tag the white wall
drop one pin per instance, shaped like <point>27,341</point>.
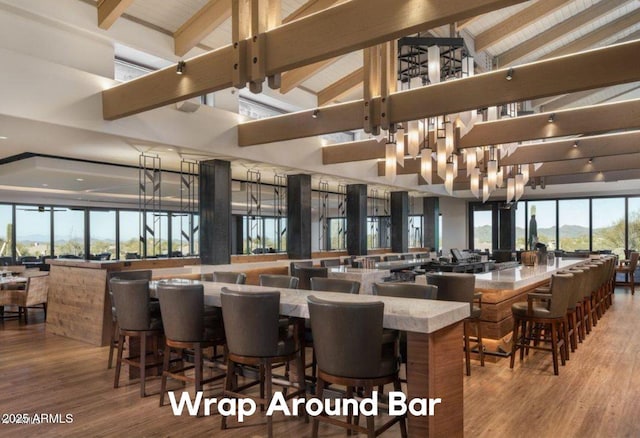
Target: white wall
<point>454,224</point>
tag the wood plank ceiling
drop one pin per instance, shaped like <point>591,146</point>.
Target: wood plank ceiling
<point>509,37</point>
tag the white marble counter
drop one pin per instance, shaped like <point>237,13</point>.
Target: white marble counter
<point>421,316</point>
<point>366,277</point>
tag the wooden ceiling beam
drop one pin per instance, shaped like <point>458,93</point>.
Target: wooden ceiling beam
<point>585,17</point>
<point>516,22</point>
<point>598,35</point>
<point>308,8</point>
<point>296,44</point>
<point>571,100</point>
<point>586,120</point>
<point>362,150</point>
<point>110,10</point>
<point>582,165</point>
<point>201,24</point>
<point>610,176</point>
<point>597,68</point>
<point>341,87</point>
<point>583,147</point>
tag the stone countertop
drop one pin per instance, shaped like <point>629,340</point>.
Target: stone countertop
<point>516,278</point>
<point>414,315</point>
<point>366,277</point>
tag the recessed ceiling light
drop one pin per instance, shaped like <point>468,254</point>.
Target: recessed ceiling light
<point>2,137</point>
<point>79,179</point>
<point>45,185</point>
<point>170,150</point>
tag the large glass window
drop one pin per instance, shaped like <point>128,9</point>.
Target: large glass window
<point>634,223</point>
<point>129,235</point>
<point>573,224</point>
<point>521,225</point>
<point>102,229</point>
<point>542,224</point>
<point>33,231</point>
<point>196,234</point>
<point>482,226</point>
<point>337,233</point>
<point>607,215</point>
<point>158,241</point>
<point>68,232</point>
<point>6,230</point>
<point>180,235</point>
<point>415,231</point>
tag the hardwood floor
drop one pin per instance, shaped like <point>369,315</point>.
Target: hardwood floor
<point>595,395</point>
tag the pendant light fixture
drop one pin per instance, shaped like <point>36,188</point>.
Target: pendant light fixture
<point>426,164</point>
<point>400,145</point>
<point>475,182</point>
<point>390,161</point>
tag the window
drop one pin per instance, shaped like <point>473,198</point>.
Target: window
<point>607,215</point>
<point>415,231</point>
<point>158,240</point>
<point>6,230</point>
<point>33,231</point>
<point>573,224</point>
<point>180,235</point>
<point>129,237</point>
<point>337,233</point>
<point>68,232</point>
<point>196,234</point>
<point>542,224</point>
<point>482,229</point>
<point>634,223</point>
<point>521,225</point>
<point>102,230</point>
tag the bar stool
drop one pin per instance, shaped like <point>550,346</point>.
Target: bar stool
<point>359,360</point>
<point>461,287</point>
<point>258,341</point>
<point>123,275</point>
<point>187,329</point>
<point>552,314</point>
<point>138,317</point>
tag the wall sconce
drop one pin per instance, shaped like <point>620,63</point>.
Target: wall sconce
<point>509,74</point>
<point>315,113</point>
<point>575,144</point>
<point>551,118</point>
<point>180,68</point>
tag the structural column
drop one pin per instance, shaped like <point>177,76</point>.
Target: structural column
<point>507,228</point>
<point>215,212</point>
<point>431,223</point>
<point>299,216</point>
<point>357,219</point>
<point>399,221</point>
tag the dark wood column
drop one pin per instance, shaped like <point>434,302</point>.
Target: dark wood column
<point>399,221</point>
<point>299,216</point>
<point>507,227</point>
<point>431,223</point>
<point>215,211</point>
<point>357,219</point>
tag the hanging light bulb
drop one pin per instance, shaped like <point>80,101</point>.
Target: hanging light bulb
<point>500,177</point>
<point>426,165</point>
<point>511,189</point>
<point>390,161</point>
<point>433,63</point>
<point>485,189</point>
<point>441,158</point>
<point>400,146</point>
<point>475,182</point>
<point>448,180</point>
<point>472,160</point>
<point>519,186</point>
<point>414,138</point>
<point>492,174</point>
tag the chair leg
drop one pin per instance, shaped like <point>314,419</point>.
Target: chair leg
<point>514,341</point>
<point>403,423</point>
<point>467,353</point>
<point>633,283</point>
<point>565,336</point>
<point>143,364</point>
<point>315,422</point>
<point>371,427</point>
<point>228,386</point>
<point>268,394</point>
<point>118,360</point>
<point>44,308</point>
<point>480,344</point>
<point>165,367</point>
<point>554,347</point>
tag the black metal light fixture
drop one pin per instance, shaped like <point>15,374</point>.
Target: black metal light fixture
<point>180,68</point>
<point>552,118</point>
<point>509,74</point>
<point>316,113</point>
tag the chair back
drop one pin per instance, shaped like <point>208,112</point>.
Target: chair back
<point>335,285</point>
<point>182,309</point>
<point>561,292</point>
<point>633,261</point>
<point>131,300</point>
<point>454,287</point>
<point>251,322</point>
<point>579,283</point>
<point>306,273</point>
<point>406,290</point>
<point>278,281</point>
<point>124,275</point>
<point>391,258</point>
<point>327,263</point>
<point>293,267</point>
<point>37,290</point>
<point>229,277</point>
<point>359,353</point>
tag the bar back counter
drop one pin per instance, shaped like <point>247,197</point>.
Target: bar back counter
<point>78,304</point>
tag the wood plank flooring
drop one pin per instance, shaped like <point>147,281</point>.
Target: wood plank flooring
<point>596,395</point>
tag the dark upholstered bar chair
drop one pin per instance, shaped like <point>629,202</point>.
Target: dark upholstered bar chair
<point>406,290</point>
<point>359,360</point>
<point>305,273</point>
<point>229,277</point>
<point>328,263</point>
<point>293,266</point>
<point>335,285</point>
<point>391,258</point>
<point>628,268</point>
<point>257,341</point>
<point>278,281</point>
<point>461,288</point>
<point>187,328</point>
<point>123,275</point>
<point>137,317</point>
<point>550,311</point>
